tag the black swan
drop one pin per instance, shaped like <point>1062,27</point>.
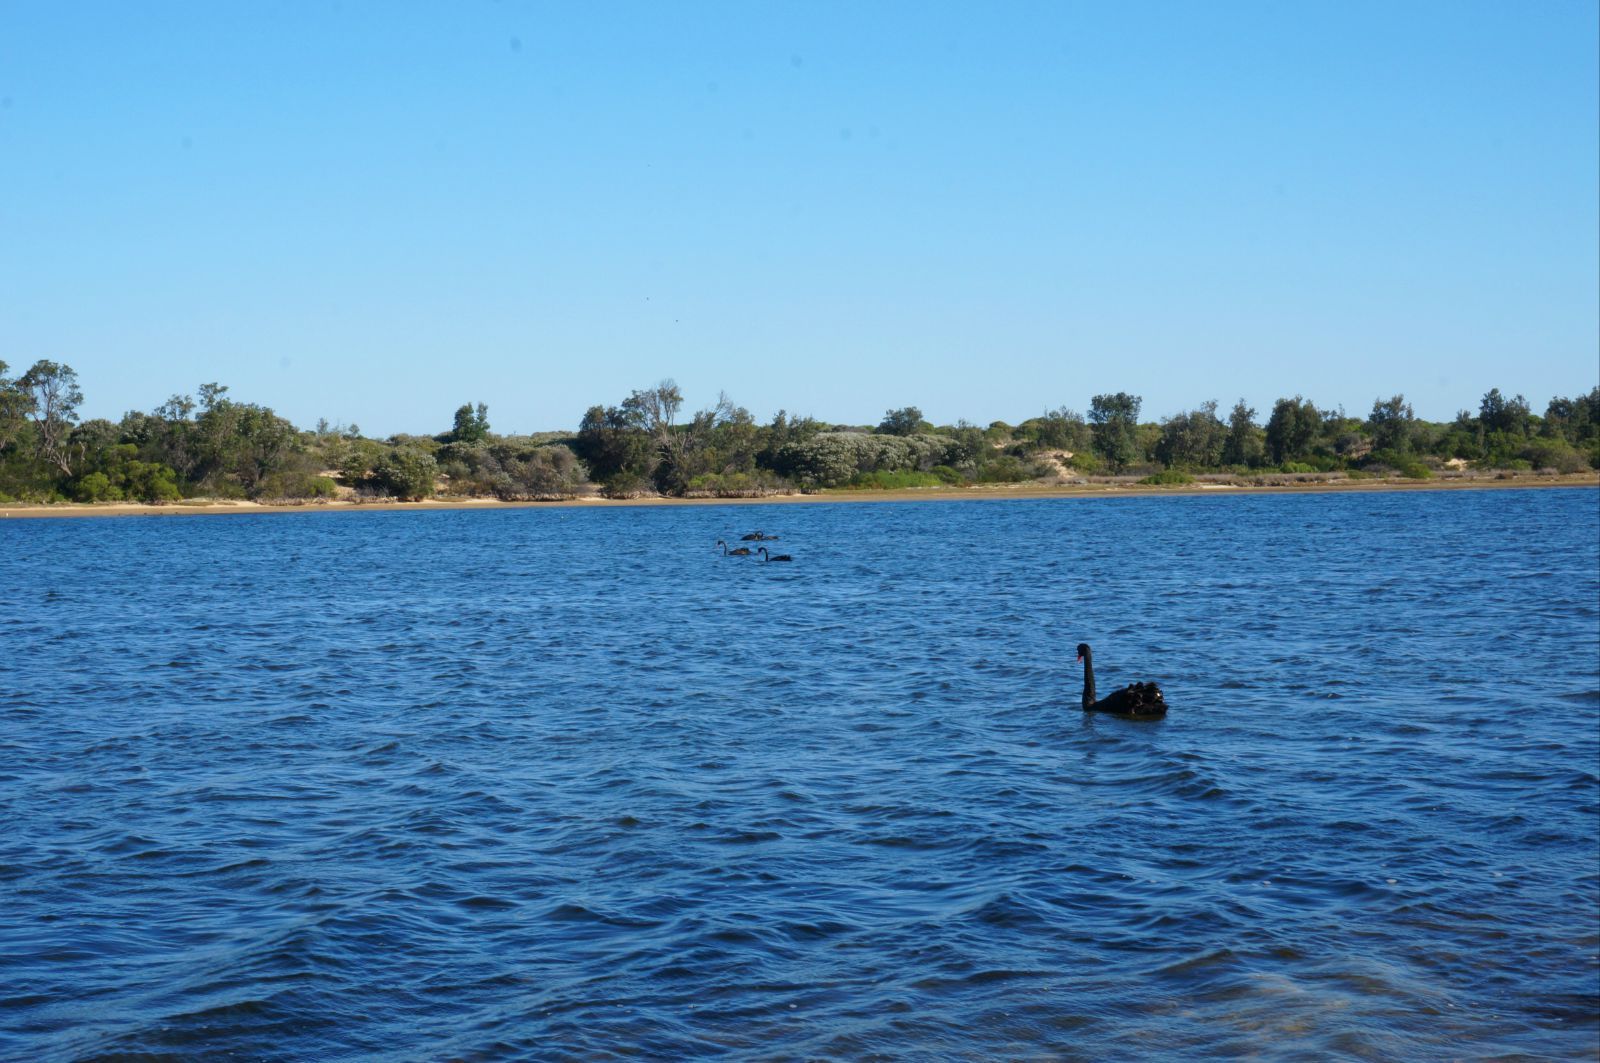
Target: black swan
<point>773,557</point>
<point>758,537</point>
<point>743,551</point>
<point>1135,699</point>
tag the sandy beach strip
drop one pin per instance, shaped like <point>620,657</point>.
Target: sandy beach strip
<point>983,493</point>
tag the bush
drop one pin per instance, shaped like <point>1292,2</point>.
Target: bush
<point>150,482</point>
<point>625,485</point>
<point>519,473</point>
<point>297,485</point>
<point>1170,476</point>
<point>1415,470</point>
<point>946,474</point>
<point>893,481</point>
<point>406,473</point>
<point>224,489</point>
<point>734,485</point>
<point>831,459</point>
<point>1555,454</point>
<point>95,487</point>
<point>1005,469</point>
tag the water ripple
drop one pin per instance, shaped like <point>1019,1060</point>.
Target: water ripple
<point>562,783</point>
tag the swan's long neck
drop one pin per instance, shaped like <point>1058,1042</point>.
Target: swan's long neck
<point>1088,680</point>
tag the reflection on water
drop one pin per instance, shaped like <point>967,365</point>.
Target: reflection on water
<point>568,782</point>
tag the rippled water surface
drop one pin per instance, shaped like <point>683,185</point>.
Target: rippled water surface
<point>565,783</point>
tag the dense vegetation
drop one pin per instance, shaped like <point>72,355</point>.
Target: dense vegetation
<point>217,447</point>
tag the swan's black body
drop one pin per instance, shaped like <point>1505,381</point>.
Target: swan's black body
<point>743,551</point>
<point>1135,699</point>
<point>772,557</point>
<point>758,537</point>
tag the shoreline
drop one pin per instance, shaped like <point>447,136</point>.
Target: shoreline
<point>928,494</point>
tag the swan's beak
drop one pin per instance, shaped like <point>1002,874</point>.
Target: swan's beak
<point>1080,659</point>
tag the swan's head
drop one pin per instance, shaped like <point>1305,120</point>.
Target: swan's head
<point>1083,651</point>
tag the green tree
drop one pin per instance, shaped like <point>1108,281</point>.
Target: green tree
<point>471,425</point>
<point>719,441</point>
<point>906,421</point>
<point>1505,424</point>
<point>1393,425</point>
<point>783,431</point>
<point>112,471</point>
<point>1192,440</point>
<point>1463,438</point>
<point>1499,414</point>
<point>15,405</point>
<point>1291,430</point>
<point>1244,445</point>
<point>54,397</point>
<point>1577,420</point>
<point>1058,429</point>
<point>612,445</point>
<point>1114,421</point>
<point>240,443</point>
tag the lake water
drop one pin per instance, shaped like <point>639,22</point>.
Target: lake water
<point>565,783</point>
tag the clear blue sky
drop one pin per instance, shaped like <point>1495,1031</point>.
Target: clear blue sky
<point>373,212</point>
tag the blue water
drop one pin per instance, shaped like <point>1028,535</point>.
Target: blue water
<point>564,783</point>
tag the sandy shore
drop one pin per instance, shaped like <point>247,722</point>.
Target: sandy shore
<point>988,492</point>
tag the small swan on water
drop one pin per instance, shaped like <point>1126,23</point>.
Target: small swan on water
<point>773,557</point>
<point>743,551</point>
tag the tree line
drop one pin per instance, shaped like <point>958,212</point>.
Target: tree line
<point>212,445</point>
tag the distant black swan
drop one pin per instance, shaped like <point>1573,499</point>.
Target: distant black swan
<point>758,537</point>
<point>1135,699</point>
<point>773,557</point>
<point>743,551</point>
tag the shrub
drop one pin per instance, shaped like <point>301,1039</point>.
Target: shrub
<point>1170,476</point>
<point>296,485</point>
<point>625,485</point>
<point>95,487</point>
<point>150,482</point>
<point>1415,470</point>
<point>893,481</point>
<point>831,459</point>
<point>224,489</point>
<point>1555,454</point>
<point>521,473</point>
<point>1005,469</point>
<point>406,473</point>
<point>735,485</point>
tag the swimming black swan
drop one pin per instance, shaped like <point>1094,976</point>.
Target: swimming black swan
<point>743,551</point>
<point>758,537</point>
<point>1135,699</point>
<point>773,557</point>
